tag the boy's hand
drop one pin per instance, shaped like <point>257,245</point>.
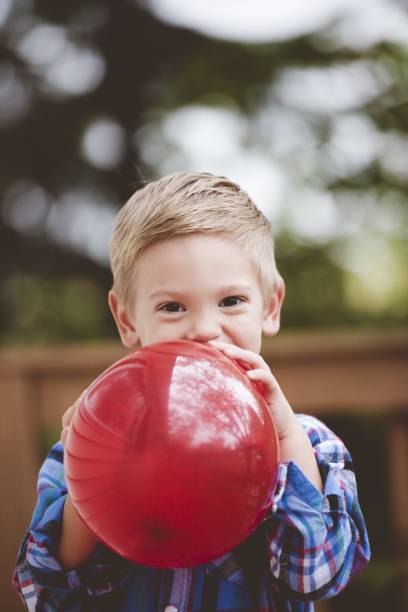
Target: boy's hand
<point>258,371</point>
<point>67,418</point>
<point>294,443</point>
<point>77,541</point>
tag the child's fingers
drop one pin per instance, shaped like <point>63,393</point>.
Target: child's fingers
<point>69,413</point>
<point>266,382</point>
<point>239,354</point>
<point>67,418</point>
<point>261,376</point>
<point>63,436</point>
<point>264,376</point>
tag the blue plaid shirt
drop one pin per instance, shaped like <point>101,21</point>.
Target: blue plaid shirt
<point>308,548</point>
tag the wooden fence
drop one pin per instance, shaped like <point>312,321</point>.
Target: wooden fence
<point>321,373</point>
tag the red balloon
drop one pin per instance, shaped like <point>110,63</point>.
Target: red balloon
<point>172,457</point>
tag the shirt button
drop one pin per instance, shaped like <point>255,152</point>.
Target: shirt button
<point>170,609</point>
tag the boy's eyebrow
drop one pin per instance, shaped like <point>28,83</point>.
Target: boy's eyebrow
<point>164,291</point>
<point>227,289</point>
<point>235,289</point>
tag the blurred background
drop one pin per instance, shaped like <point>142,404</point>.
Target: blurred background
<point>304,104</point>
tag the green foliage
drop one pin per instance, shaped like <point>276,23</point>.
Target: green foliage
<point>319,292</point>
<point>314,295</point>
<point>44,311</point>
<point>53,283</point>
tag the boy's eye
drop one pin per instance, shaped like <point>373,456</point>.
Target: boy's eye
<point>232,300</point>
<point>171,307</point>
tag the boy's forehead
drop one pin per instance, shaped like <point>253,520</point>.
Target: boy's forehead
<point>178,264</point>
<point>195,248</point>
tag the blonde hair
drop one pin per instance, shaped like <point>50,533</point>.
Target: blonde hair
<point>186,203</point>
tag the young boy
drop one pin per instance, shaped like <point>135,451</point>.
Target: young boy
<point>193,258</point>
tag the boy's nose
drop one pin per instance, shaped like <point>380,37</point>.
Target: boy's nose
<point>204,329</point>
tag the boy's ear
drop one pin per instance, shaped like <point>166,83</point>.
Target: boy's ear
<point>271,319</point>
<point>127,331</point>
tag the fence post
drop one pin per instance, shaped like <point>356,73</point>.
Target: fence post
<point>398,479</point>
<point>18,471</point>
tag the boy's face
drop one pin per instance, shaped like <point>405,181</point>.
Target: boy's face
<point>197,287</point>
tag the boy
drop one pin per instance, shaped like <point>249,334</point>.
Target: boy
<point>193,258</point>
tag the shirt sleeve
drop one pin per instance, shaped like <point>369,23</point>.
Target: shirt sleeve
<point>317,541</point>
<point>43,584</point>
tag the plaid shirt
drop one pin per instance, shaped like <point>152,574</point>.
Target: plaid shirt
<point>312,544</point>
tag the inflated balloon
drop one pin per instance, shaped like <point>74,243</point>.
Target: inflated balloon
<point>172,456</point>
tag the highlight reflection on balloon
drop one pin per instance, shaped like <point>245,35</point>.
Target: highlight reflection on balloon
<point>171,458</point>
